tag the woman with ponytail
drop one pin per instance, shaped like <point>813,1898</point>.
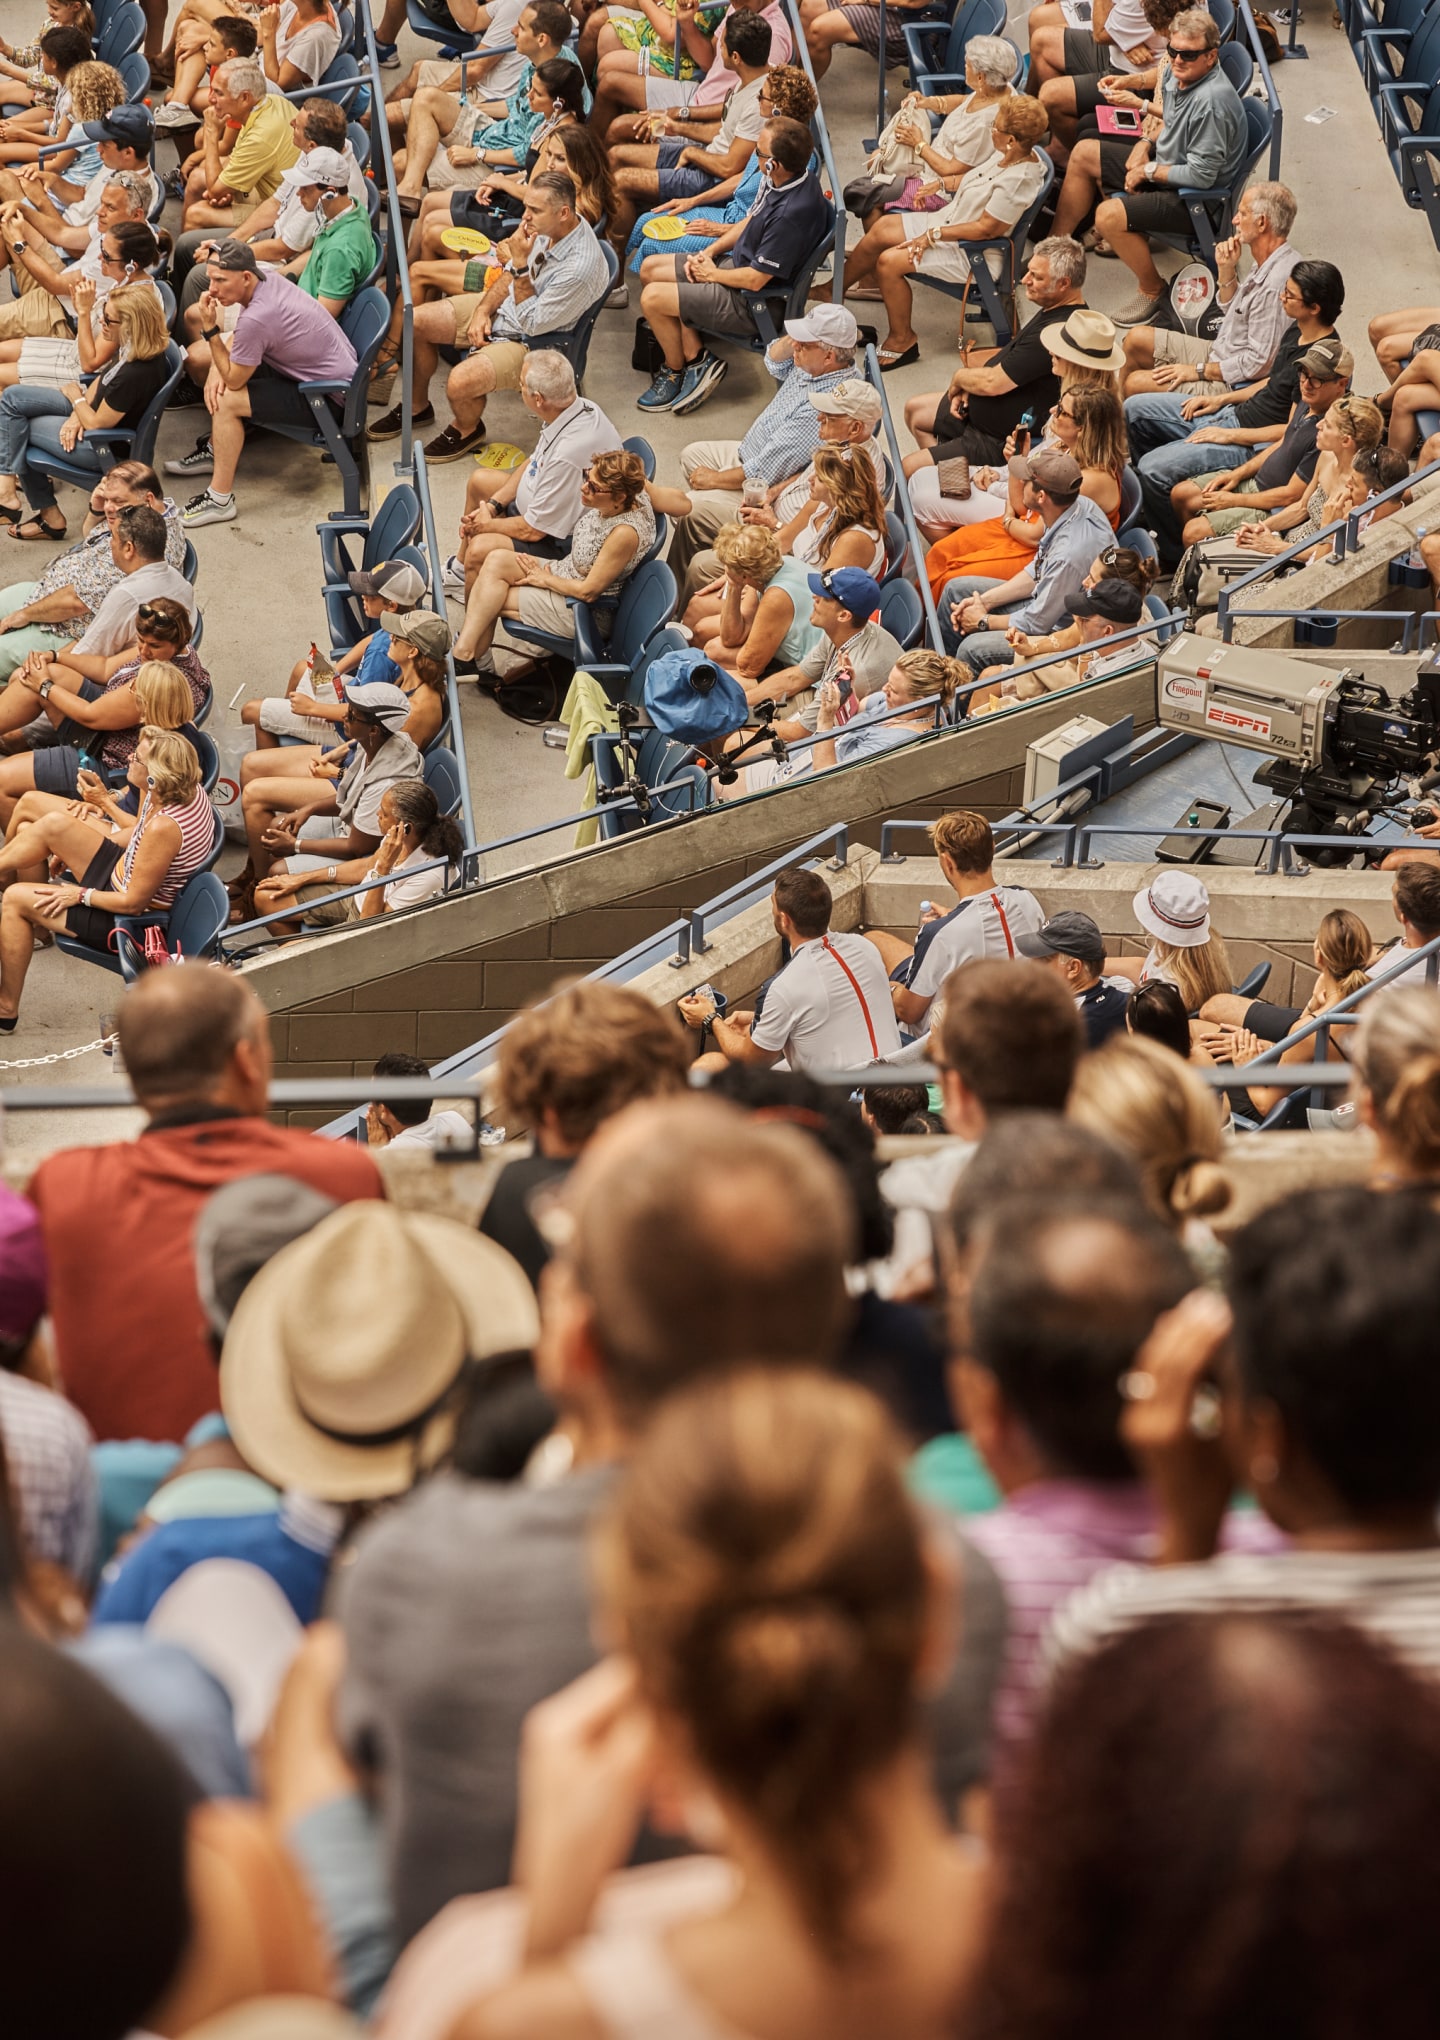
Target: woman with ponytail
<point>765,1585</point>
<point>1397,1069</point>
<point>1148,1102</point>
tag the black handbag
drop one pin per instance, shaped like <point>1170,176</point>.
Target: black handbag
<point>647,355</point>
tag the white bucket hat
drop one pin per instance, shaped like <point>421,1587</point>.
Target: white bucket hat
<point>344,1358</point>
<point>1174,908</point>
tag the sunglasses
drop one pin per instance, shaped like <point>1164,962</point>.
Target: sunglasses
<point>1178,56</point>
<point>156,620</point>
<point>1110,555</point>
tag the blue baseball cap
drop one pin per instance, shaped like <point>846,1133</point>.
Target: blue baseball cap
<point>851,587</point>
<point>133,127</point>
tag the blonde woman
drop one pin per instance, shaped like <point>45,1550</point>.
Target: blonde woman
<point>1343,951</point>
<point>128,250</point>
<point>615,529</point>
<point>759,612</point>
<point>777,1612</point>
<point>999,536</point>
<point>892,715</point>
<point>1351,426</point>
<point>56,421</point>
<point>1151,1104</point>
<point>843,524</point>
<point>1185,950</point>
<point>963,142</point>
<point>1397,1071</point>
<point>173,837</point>
<point>987,205</point>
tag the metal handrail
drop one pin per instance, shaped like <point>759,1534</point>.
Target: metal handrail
<point>1075,836</point>
<point>436,557</point>
<point>298,909</point>
<point>1267,81</point>
<point>1428,953</point>
<point>918,551</point>
<point>822,141</point>
<point>1346,533</point>
<point>397,262</point>
<point>836,840</point>
<point>295,1093</point>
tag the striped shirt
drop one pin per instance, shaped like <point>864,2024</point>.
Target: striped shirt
<point>1048,1540</point>
<point>1393,1595</point>
<point>783,439</point>
<point>47,1455</point>
<point>197,833</point>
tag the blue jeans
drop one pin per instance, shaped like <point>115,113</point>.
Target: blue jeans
<point>32,417</point>
<point>956,642</point>
<point>1163,454</point>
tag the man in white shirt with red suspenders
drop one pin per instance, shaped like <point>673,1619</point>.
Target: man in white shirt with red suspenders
<point>989,920</point>
<point>828,1008</point>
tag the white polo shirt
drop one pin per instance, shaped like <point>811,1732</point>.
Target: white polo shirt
<point>978,927</point>
<point>113,625</point>
<point>830,1009</point>
<point>549,492</point>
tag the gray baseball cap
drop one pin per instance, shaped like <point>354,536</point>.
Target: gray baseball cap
<point>1067,934</point>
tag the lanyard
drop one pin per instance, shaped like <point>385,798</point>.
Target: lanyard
<point>831,950</point>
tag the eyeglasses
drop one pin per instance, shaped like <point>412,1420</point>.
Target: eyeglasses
<point>1179,56</point>
<point>1320,375</point>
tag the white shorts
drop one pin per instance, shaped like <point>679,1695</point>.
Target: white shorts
<point>279,719</point>
<point>949,260</point>
<point>932,508</point>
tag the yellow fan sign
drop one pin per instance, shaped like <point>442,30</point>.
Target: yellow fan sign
<point>465,241</point>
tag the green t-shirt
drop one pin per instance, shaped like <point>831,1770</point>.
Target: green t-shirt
<point>949,1472</point>
<point>341,256</point>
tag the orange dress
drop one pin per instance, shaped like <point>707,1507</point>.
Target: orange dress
<point>987,549</point>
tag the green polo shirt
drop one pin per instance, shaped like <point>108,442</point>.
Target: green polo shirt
<point>341,257</point>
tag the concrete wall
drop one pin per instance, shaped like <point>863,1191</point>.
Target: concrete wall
<point>432,983</point>
<point>1360,581</point>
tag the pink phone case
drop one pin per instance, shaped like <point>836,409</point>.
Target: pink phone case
<point>1118,120</point>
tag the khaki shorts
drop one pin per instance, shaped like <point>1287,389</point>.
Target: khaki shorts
<point>1224,523</point>
<point>1187,347</point>
<point>333,914</point>
<point>546,610</point>
<point>506,357</point>
<point>31,316</point>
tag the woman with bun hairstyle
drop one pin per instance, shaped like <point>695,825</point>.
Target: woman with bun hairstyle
<point>1142,1097</point>
<point>765,1586</point>
<point>1397,1079</point>
<point>758,613</point>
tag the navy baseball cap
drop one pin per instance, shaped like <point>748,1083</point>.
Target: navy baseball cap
<point>1067,934</point>
<point>851,587</point>
<point>132,126</point>
<point>1119,602</point>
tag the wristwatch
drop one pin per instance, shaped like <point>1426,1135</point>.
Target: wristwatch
<point>43,690</point>
<point>208,332</point>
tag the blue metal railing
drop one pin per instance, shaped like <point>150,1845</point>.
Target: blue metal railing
<point>1246,22</point>
<point>1345,532</point>
<point>692,939</point>
<point>917,549</point>
<point>397,262</point>
<point>436,557</point>
<point>827,158</point>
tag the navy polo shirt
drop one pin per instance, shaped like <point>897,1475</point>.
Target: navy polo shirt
<point>785,223</point>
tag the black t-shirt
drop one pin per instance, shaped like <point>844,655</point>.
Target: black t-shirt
<point>1296,454</point>
<point>1031,367</point>
<point>128,386</point>
<point>507,1218</point>
<point>1282,386</point>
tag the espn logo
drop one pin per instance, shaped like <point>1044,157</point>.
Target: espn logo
<point>1240,720</point>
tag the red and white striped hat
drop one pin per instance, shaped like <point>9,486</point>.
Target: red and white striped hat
<point>1174,908</point>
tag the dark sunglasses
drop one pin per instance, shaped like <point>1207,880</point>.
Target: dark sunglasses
<point>156,620</point>
<point>1186,56</point>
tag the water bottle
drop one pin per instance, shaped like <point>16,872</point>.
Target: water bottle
<point>1417,574</point>
<point>925,907</point>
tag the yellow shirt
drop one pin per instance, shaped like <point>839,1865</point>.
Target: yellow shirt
<point>264,149</point>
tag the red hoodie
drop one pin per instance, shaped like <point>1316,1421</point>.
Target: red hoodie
<point>133,1348</point>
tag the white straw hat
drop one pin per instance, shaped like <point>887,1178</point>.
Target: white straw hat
<point>1174,908</point>
<point>345,1356</point>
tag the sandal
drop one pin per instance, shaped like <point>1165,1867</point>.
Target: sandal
<point>10,515</point>
<point>888,359</point>
<point>33,530</point>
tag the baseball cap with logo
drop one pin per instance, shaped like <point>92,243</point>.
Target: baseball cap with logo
<point>1049,469</point>
<point>851,587</point>
<point>393,581</point>
<point>1329,359</point>
<point>321,166</point>
<point>849,399</point>
<point>429,633</point>
<point>233,254</point>
<point>1067,934</point>
<point>133,127</point>
<point>825,326</point>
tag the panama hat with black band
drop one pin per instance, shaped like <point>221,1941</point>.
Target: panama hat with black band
<point>1086,339</point>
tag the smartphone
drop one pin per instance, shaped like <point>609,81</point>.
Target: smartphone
<point>1022,439</point>
<point>1118,120</point>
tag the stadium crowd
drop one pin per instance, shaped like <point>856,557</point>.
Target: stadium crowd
<point>751,1583</point>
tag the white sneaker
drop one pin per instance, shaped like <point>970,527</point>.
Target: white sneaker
<point>198,461</point>
<point>619,298</point>
<point>452,576</point>
<point>208,508</point>
<point>172,115</point>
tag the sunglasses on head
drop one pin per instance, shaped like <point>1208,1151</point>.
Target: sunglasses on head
<point>154,619</point>
<point>1186,56</point>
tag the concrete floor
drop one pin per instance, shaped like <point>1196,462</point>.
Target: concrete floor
<point>258,580</point>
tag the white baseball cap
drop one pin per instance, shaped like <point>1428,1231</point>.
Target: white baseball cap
<point>825,326</point>
<point>1174,908</point>
<point>849,399</point>
<point>321,166</point>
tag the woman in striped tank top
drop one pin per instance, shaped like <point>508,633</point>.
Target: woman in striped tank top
<point>171,839</point>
